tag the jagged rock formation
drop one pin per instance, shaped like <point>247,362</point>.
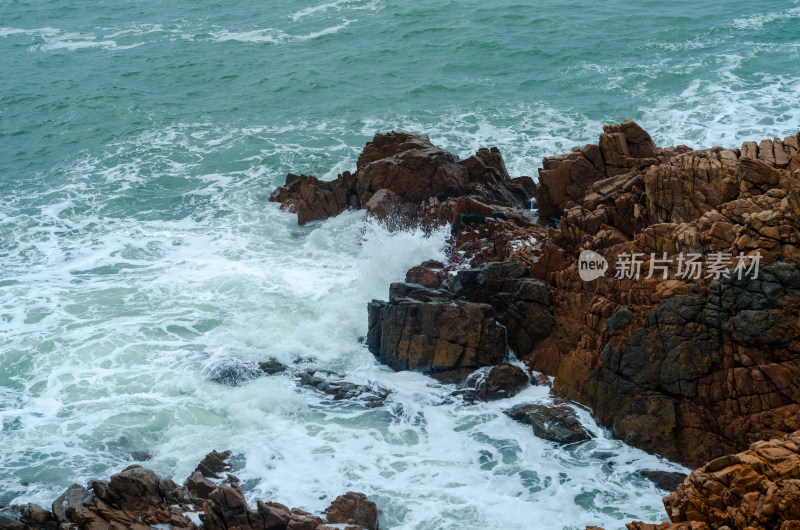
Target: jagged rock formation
<point>465,324</point>
<point>398,175</point>
<point>758,489</point>
<point>138,499</point>
<point>689,368</point>
<point>687,363</point>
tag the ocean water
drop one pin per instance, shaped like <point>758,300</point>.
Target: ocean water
<point>140,259</point>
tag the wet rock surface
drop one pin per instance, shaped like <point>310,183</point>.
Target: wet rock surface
<point>503,381</point>
<point>433,330</point>
<point>469,322</point>
<point>353,508</point>
<point>396,177</point>
<point>337,389</point>
<point>557,423</point>
<point>665,480</point>
<point>138,499</point>
<point>757,489</point>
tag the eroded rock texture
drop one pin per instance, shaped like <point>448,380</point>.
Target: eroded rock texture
<point>398,175</point>
<point>464,324</point>
<point>689,368</point>
<point>138,499</point>
<point>758,489</point>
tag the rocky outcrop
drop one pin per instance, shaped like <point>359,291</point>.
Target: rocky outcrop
<point>432,330</point>
<point>701,375</point>
<point>564,180</point>
<point>135,498</point>
<point>353,508</point>
<point>687,363</point>
<point>468,323</point>
<point>138,499</point>
<point>687,367</point>
<point>758,489</point>
<point>399,176</point>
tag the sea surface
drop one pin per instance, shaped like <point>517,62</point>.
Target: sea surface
<point>143,273</point>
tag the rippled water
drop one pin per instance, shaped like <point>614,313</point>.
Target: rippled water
<point>140,257</point>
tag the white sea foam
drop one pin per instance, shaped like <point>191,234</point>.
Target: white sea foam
<point>274,36</point>
<point>337,5</point>
<point>131,317</point>
<point>758,21</point>
<point>53,39</point>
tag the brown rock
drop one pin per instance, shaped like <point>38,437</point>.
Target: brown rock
<point>353,508</point>
<point>503,381</point>
<point>428,274</point>
<point>37,517</point>
<point>214,464</point>
<point>428,329</point>
<point>200,485</point>
<point>758,489</point>
<point>396,173</point>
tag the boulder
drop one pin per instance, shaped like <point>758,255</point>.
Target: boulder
<point>554,423</point>
<point>503,381</point>
<point>353,508</point>
<point>429,274</point>
<point>431,330</point>
<point>200,485</point>
<point>64,506</point>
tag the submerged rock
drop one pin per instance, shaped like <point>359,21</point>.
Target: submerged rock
<point>503,381</point>
<point>272,367</point>
<point>665,480</point>
<point>554,423</point>
<point>331,384</point>
<point>235,374</point>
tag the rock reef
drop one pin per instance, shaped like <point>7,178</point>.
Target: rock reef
<point>138,499</point>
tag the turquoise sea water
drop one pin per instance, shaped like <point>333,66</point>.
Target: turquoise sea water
<point>139,142</point>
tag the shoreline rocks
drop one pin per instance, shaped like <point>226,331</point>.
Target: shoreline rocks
<point>138,499</point>
<point>397,176</point>
<point>690,368</point>
<point>554,423</point>
<point>757,489</point>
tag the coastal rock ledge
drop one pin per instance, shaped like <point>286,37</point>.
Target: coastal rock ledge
<point>758,489</point>
<point>138,499</point>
